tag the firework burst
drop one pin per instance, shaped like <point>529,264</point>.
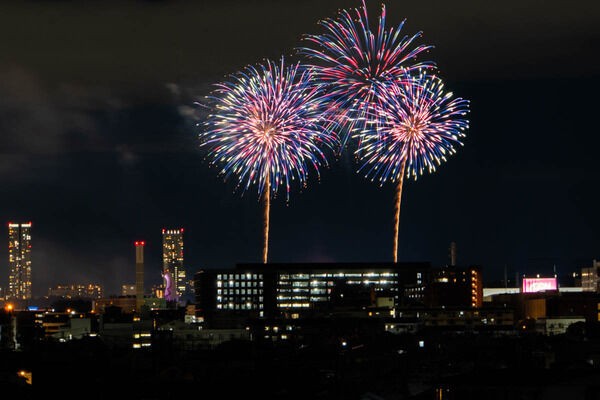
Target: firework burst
<point>268,129</point>
<point>419,127</point>
<point>359,67</point>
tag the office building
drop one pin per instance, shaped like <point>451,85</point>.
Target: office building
<point>299,290</point>
<point>89,291</point>
<point>19,261</point>
<point>173,267</point>
<point>454,286</point>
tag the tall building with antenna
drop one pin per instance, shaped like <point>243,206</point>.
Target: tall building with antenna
<point>19,261</point>
<point>172,245</point>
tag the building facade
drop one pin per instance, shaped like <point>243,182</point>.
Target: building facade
<point>172,246</point>
<point>90,291</point>
<point>19,261</point>
<point>454,286</point>
<point>299,290</point>
<point>590,277</point>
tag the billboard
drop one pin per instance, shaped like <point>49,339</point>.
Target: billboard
<point>532,285</point>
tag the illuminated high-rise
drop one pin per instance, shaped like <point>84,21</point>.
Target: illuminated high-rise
<point>19,261</point>
<point>172,244</point>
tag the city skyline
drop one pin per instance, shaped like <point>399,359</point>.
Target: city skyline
<point>99,138</point>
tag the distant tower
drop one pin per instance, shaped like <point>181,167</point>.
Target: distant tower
<point>19,261</point>
<point>139,276</point>
<point>172,241</point>
<point>453,254</point>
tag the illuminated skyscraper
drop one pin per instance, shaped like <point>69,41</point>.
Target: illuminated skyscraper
<point>172,240</point>
<point>19,261</point>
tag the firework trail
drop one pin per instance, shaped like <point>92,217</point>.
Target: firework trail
<point>267,128</point>
<point>359,67</point>
<point>419,128</point>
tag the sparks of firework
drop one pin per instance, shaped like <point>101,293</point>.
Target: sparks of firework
<point>359,66</point>
<point>419,127</point>
<point>268,129</point>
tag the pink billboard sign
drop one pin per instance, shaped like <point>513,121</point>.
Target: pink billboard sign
<point>532,285</point>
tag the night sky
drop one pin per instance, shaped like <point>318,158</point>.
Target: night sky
<point>99,145</point>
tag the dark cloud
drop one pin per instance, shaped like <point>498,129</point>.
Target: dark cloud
<point>35,121</point>
<point>38,118</point>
